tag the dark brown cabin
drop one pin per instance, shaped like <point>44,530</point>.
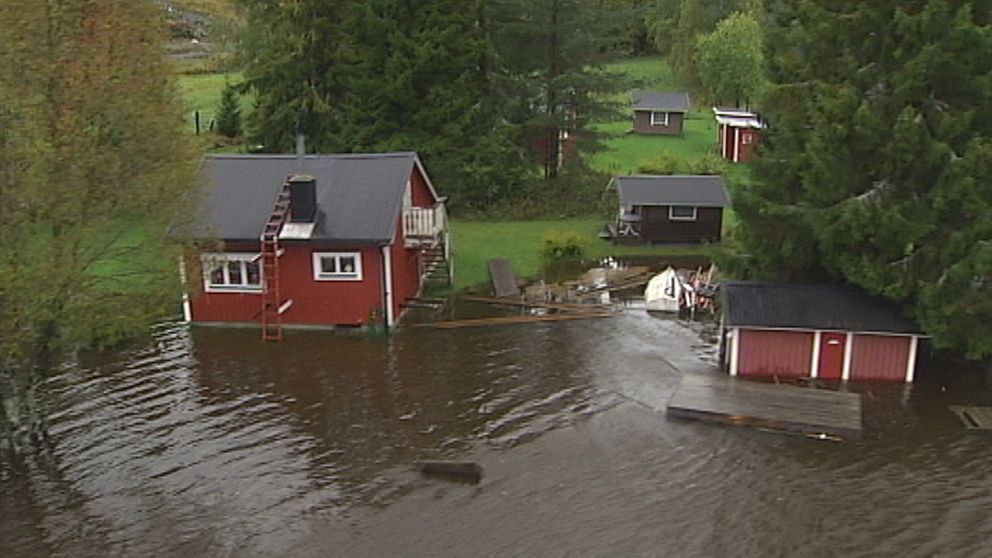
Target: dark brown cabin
<point>670,209</point>
<point>660,112</point>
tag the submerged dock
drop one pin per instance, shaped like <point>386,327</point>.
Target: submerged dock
<point>731,401</point>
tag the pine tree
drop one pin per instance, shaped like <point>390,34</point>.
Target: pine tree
<point>878,170</point>
<point>292,54</point>
<point>229,113</point>
<point>555,51</point>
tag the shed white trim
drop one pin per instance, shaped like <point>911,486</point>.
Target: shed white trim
<point>814,365</point>
<point>735,350</point>
<point>848,346</point>
<point>911,361</point>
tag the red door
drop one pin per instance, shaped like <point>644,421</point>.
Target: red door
<point>832,356</point>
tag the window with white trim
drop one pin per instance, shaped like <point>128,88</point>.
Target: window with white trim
<point>681,213</point>
<point>337,266</point>
<point>659,118</point>
<point>232,272</point>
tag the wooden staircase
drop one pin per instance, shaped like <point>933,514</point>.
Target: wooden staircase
<point>272,304</point>
<point>436,263</point>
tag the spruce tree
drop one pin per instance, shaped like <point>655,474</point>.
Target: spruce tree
<point>229,113</point>
<point>877,169</point>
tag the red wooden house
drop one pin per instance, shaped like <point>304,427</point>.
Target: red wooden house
<point>738,133</point>
<point>316,240</point>
<point>814,331</point>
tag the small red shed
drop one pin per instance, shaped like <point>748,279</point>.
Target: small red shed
<point>814,331</point>
<point>738,133</point>
<point>315,240</point>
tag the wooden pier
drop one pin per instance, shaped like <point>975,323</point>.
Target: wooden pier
<point>731,401</point>
<point>504,281</point>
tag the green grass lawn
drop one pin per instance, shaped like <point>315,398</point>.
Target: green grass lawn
<point>625,151</point>
<point>476,242</point>
<point>201,92</point>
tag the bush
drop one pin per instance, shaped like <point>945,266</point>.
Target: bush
<point>663,164</point>
<point>563,245</point>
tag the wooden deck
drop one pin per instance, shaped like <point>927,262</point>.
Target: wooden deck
<point>504,281</point>
<point>726,400</point>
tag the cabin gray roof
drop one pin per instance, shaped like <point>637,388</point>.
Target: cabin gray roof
<point>670,101</point>
<point>810,307</point>
<point>699,191</point>
<point>359,196</point>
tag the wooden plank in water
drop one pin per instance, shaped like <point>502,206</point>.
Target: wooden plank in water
<point>974,418</point>
<point>548,305</point>
<point>727,400</point>
<point>505,320</point>
<point>504,281</point>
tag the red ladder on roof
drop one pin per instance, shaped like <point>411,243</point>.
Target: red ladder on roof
<point>272,304</point>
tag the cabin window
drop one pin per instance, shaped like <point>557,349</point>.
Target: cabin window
<point>232,272</point>
<point>747,138</point>
<point>681,213</point>
<point>337,266</point>
<point>659,119</point>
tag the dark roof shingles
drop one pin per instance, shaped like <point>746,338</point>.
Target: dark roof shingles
<point>672,101</point>
<point>699,191</point>
<point>358,196</point>
<point>810,307</point>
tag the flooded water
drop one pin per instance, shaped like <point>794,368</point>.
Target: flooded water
<point>208,443</point>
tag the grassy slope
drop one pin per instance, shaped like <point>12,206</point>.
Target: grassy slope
<point>627,151</point>
<point>202,93</point>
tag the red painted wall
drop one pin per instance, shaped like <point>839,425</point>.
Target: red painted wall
<point>314,302</point>
<point>422,196</point>
<point>880,357</point>
<point>778,353</point>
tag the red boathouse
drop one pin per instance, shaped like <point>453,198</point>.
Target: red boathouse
<point>738,133</point>
<point>316,240</point>
<point>814,331</point>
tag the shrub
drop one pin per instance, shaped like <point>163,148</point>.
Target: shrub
<point>563,245</point>
<point>665,164</point>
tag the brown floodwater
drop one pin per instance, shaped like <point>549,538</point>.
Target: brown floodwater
<point>208,443</point>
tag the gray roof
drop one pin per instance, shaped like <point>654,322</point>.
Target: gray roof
<point>670,101</point>
<point>810,307</point>
<point>359,196</point>
<point>699,191</point>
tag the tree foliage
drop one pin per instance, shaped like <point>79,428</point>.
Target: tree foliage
<point>93,163</point>
<point>229,113</point>
<point>878,169</point>
<point>731,60</point>
<point>677,25</point>
<point>470,85</point>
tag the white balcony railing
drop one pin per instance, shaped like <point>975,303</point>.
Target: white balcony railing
<point>424,225</point>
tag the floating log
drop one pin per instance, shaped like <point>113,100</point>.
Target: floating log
<point>505,320</point>
<point>461,471</point>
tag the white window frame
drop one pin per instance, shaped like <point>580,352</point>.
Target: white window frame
<point>659,122</point>
<point>319,275</point>
<point>210,260</point>
<point>673,217</point>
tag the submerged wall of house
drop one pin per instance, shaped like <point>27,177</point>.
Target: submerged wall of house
<point>775,353</point>
<point>656,226</point>
<point>315,302</point>
<point>642,123</point>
